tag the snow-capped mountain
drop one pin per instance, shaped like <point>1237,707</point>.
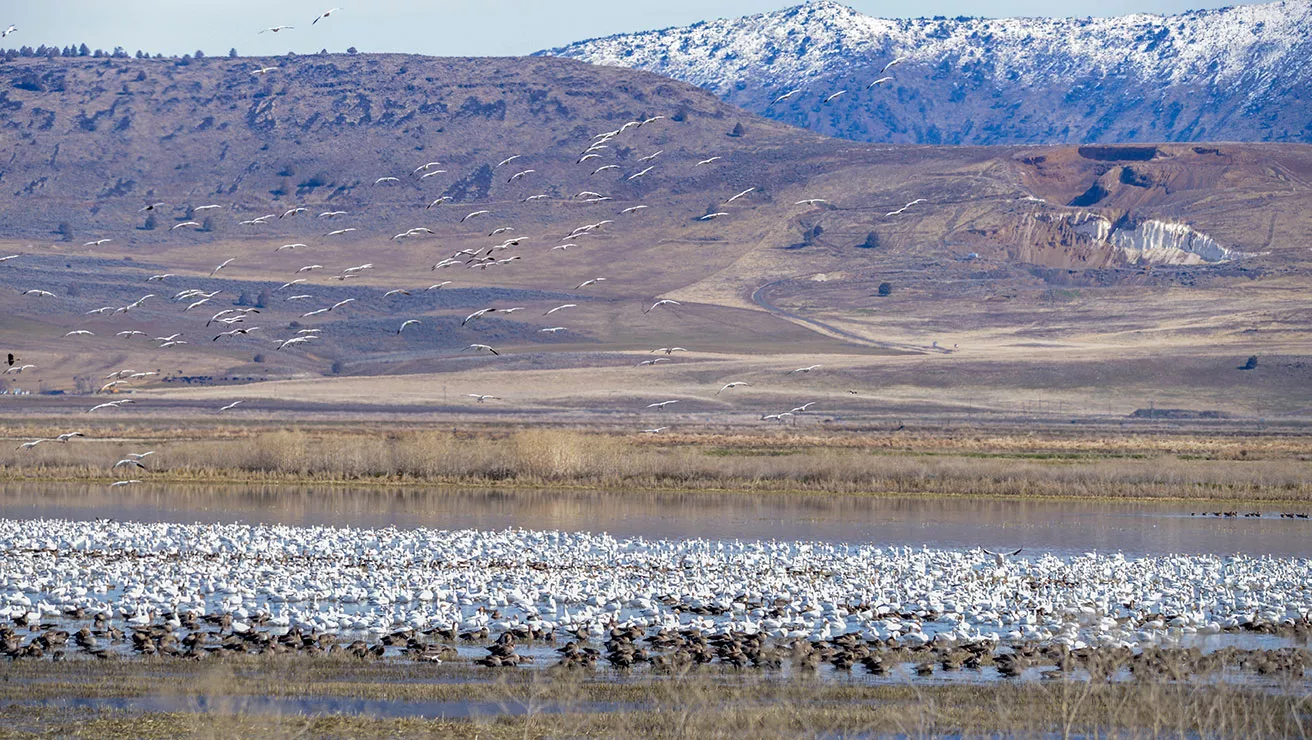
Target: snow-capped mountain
<point>1240,73</point>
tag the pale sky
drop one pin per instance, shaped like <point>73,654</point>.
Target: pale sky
<point>440,27</point>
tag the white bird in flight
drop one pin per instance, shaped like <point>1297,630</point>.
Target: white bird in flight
<point>879,81</point>
<point>806,369</point>
<point>708,161</point>
<point>275,29</point>
<point>785,96</point>
<point>889,66</point>
<point>1001,557</point>
<point>734,384</point>
<point>661,404</point>
<point>903,209</point>
<point>226,262</point>
<point>662,302</point>
<point>407,322</point>
<point>744,193</point>
<point>480,313</point>
<point>481,397</point>
<point>295,340</point>
<point>323,15</point>
<point>97,242</point>
<point>8,31</point>
<point>230,406</point>
<point>835,95</point>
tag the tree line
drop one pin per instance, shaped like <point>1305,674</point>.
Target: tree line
<point>82,50</point>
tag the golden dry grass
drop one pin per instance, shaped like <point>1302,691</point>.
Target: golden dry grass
<point>1223,469</point>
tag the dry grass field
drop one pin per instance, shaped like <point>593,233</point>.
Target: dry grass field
<point>1221,468</point>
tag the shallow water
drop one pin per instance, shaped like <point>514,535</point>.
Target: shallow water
<point>1060,527</point>
<point>317,705</point>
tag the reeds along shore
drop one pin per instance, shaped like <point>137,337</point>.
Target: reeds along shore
<point>699,704</point>
<point>1276,470</point>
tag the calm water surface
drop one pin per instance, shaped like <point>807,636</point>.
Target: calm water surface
<point>1061,527</point>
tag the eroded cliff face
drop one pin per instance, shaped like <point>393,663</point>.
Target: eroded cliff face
<point>1091,240</point>
<point>1162,243</point>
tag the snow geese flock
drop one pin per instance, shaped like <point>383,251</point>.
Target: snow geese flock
<point>238,334</point>
<point>371,583</point>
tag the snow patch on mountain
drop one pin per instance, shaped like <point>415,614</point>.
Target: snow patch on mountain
<point>1247,56</point>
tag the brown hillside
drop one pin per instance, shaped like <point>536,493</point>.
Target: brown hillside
<point>1003,256</point>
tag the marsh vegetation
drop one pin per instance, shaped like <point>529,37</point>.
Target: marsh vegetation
<point>1272,469</point>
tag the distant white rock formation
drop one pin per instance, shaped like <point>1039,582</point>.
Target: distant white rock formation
<point>1152,242</point>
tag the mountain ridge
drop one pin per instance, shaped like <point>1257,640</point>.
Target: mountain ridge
<point>1226,74</point>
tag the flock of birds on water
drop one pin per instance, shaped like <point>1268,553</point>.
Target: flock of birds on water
<point>236,322</point>
<point>192,590</point>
